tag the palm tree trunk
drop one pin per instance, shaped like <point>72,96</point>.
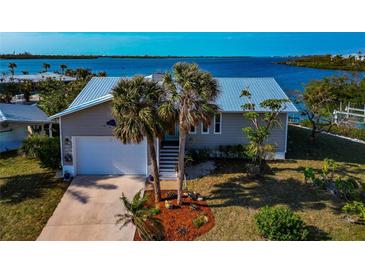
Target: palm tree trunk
<point>156,176</point>
<point>181,166</point>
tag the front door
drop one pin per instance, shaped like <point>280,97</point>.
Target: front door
<point>172,134</point>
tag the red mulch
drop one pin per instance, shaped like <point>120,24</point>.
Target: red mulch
<point>178,222</point>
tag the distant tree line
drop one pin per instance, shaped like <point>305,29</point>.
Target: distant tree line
<point>336,62</point>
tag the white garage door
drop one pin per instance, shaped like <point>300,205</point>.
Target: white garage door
<point>106,155</point>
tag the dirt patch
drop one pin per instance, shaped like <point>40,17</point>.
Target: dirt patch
<point>178,222</point>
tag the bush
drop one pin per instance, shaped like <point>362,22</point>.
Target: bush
<point>357,133</point>
<point>357,208</point>
<point>233,151</point>
<point>281,224</point>
<point>43,148</point>
<point>196,156</point>
<point>200,220</point>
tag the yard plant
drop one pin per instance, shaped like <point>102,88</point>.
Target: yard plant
<point>143,217</point>
<point>45,149</point>
<point>280,224</point>
<point>258,149</point>
<point>357,208</point>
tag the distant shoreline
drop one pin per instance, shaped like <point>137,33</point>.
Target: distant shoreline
<point>326,62</point>
<point>51,56</point>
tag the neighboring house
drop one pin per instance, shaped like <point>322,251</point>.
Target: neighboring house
<point>19,98</point>
<point>35,77</point>
<point>88,145</point>
<point>16,122</point>
<point>356,56</point>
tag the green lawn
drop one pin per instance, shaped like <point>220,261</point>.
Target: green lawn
<point>234,199</point>
<point>28,197</point>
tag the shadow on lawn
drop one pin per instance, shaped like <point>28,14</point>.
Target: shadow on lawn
<point>249,193</point>
<point>245,192</point>
<point>22,187</point>
<point>338,149</point>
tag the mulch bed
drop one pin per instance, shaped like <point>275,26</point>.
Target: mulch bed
<point>178,222</point>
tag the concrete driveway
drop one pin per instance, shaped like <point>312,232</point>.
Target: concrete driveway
<point>88,208</point>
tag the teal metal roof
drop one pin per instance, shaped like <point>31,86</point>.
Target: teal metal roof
<point>261,89</point>
<point>22,113</point>
<point>98,90</point>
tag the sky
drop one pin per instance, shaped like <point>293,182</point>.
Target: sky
<point>187,44</point>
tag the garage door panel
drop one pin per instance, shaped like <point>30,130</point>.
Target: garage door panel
<point>106,155</point>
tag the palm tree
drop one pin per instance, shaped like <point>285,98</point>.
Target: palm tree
<point>46,66</point>
<point>135,104</point>
<point>11,67</point>
<point>63,67</point>
<point>138,213</point>
<point>191,93</point>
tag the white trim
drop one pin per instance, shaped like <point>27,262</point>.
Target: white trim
<point>201,129</point>
<point>220,124</point>
<point>286,133</point>
<point>73,142</point>
<point>61,146</point>
<point>192,132</point>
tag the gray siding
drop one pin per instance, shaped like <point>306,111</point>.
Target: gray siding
<point>92,122</point>
<point>232,134</point>
<point>87,122</point>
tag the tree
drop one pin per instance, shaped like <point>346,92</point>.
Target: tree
<point>11,67</point>
<point>321,98</point>
<point>102,74</point>
<point>52,96</point>
<point>135,106</point>
<point>260,131</point>
<point>26,86</point>
<point>55,95</point>
<point>46,66</point>
<point>25,72</point>
<point>190,96</point>
<point>63,67</point>
<point>83,73</point>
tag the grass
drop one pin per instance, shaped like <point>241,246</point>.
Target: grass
<point>234,198</point>
<point>28,197</point>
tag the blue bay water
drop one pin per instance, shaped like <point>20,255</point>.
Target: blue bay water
<point>289,77</point>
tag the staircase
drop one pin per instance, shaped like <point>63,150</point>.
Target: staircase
<point>168,161</point>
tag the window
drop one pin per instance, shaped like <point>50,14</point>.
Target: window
<point>218,123</point>
<point>205,129</point>
<point>192,130</point>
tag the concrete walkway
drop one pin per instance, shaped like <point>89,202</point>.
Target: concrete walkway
<point>88,208</point>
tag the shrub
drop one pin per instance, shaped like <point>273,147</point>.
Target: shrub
<point>280,223</point>
<point>309,175</point>
<point>200,220</point>
<point>357,133</point>
<point>196,156</point>
<point>43,148</point>
<point>148,227</point>
<point>357,208</point>
<point>233,151</point>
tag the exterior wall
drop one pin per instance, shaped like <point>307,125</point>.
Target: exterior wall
<point>232,134</point>
<point>12,136</point>
<point>87,122</point>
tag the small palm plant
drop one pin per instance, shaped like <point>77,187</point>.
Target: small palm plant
<point>149,227</point>
<point>46,66</point>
